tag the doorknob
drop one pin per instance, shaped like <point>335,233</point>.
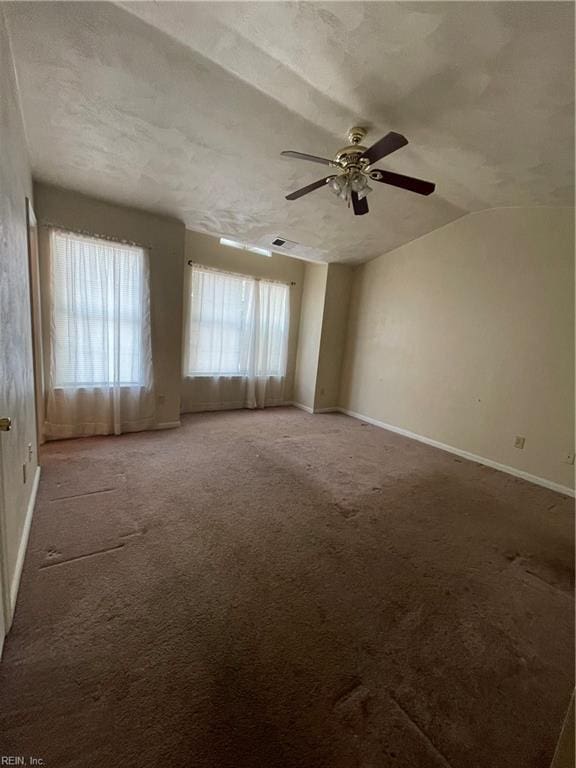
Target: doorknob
<point>5,424</point>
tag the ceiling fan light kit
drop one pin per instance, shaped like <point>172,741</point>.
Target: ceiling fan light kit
<point>354,163</point>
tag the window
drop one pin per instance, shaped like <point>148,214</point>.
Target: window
<point>237,326</point>
<point>100,317</point>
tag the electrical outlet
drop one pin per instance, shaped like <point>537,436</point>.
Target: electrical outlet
<point>568,458</point>
<point>519,442</point>
<point>29,452</point>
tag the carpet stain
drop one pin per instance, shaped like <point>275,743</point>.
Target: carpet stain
<point>53,553</point>
<point>346,511</point>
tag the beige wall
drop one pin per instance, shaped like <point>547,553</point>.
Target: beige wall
<point>310,334</point>
<point>466,336</point>
<point>206,250</point>
<point>333,339</point>
<point>323,325</point>
<point>164,237</point>
<point>16,376</point>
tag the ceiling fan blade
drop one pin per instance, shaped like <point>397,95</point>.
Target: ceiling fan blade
<point>302,156</point>
<point>419,186</point>
<point>360,205</point>
<point>388,144</point>
<point>309,188</point>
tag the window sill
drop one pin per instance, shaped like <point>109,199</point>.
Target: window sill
<point>238,376</point>
<point>68,387</point>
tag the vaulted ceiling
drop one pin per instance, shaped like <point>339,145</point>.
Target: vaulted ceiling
<point>184,108</point>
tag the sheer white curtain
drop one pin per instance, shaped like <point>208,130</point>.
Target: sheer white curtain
<point>236,342</point>
<point>99,377</point>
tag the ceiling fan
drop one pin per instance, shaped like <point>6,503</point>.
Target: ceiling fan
<point>354,163</point>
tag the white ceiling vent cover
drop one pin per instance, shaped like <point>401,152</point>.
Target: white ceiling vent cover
<point>281,242</point>
<point>284,247</point>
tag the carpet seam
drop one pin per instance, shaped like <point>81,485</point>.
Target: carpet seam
<point>446,763</point>
<point>82,557</point>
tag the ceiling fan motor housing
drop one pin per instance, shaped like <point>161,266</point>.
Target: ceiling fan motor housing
<point>349,156</point>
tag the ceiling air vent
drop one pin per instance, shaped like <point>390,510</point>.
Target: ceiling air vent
<point>281,242</point>
<point>281,245</point>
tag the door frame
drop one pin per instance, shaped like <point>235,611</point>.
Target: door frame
<point>35,322</point>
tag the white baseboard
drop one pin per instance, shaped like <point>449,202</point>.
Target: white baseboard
<point>302,407</point>
<point>14,586</point>
<point>239,405</point>
<point>167,425</point>
<point>313,410</point>
<point>564,489</point>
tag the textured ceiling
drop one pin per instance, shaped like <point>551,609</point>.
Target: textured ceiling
<point>184,108</point>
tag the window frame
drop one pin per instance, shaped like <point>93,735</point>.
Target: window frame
<point>124,316</point>
<point>255,282</point>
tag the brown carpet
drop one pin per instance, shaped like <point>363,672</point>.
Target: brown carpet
<point>273,589</point>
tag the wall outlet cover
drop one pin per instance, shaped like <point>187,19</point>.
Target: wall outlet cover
<point>519,441</point>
